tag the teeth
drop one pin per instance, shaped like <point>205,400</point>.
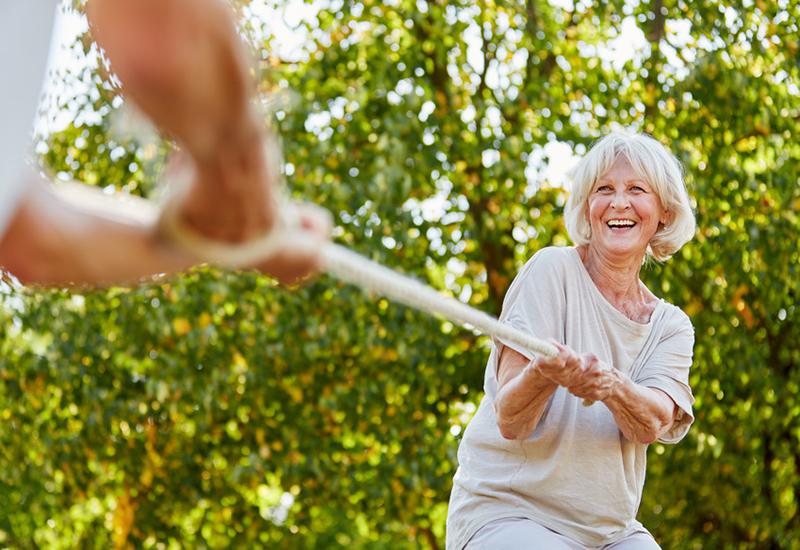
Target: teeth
<point>621,223</point>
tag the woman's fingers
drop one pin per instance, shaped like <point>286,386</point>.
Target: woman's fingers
<point>585,376</point>
<point>596,381</point>
<point>564,369</point>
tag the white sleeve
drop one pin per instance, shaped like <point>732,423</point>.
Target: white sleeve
<point>536,301</point>
<point>25,32</point>
<point>667,368</point>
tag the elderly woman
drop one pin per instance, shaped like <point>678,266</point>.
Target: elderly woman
<point>537,468</point>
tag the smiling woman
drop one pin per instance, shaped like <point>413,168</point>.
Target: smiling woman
<point>624,211</point>
<point>647,161</point>
<point>534,465</point>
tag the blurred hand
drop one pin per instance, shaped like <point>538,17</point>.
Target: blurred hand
<point>239,211</point>
<point>216,226</point>
<point>235,198</point>
<point>299,256</point>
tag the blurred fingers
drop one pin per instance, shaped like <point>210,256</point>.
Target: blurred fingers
<point>300,257</point>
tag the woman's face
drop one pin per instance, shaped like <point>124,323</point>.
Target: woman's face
<point>624,212</point>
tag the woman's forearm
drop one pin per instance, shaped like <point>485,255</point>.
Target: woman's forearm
<point>521,401</point>
<point>642,414</point>
<point>184,64</point>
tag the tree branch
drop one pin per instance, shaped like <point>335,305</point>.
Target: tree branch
<point>430,537</point>
<point>655,36</point>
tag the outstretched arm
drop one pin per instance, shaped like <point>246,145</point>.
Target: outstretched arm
<point>93,241</point>
<point>183,63</point>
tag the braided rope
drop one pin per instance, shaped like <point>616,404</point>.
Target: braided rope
<point>353,268</point>
<point>348,266</point>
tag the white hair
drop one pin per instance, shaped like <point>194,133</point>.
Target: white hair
<point>654,164</point>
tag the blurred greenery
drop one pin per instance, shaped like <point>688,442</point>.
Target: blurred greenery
<point>215,410</point>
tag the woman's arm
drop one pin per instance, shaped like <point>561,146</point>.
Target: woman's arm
<point>643,414</point>
<point>522,394</point>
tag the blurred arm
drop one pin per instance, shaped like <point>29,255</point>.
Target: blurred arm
<point>92,240</point>
<point>184,64</point>
<point>186,67</point>
<point>50,241</point>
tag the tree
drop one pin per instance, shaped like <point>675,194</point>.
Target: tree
<point>215,410</point>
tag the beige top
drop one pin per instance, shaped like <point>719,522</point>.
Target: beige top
<point>576,473</point>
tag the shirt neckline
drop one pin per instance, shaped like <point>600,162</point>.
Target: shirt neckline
<point>608,305</point>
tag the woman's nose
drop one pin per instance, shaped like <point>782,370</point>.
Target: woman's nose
<point>620,201</point>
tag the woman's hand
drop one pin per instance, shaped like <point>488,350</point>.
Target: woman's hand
<point>597,379</point>
<point>566,369</point>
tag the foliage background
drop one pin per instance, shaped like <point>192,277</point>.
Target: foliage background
<point>215,410</point>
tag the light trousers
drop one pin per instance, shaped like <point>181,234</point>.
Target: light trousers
<point>524,534</point>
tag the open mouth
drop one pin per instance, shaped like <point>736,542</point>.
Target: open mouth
<point>620,224</point>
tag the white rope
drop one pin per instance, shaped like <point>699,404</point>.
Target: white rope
<point>354,268</point>
<point>348,266</point>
